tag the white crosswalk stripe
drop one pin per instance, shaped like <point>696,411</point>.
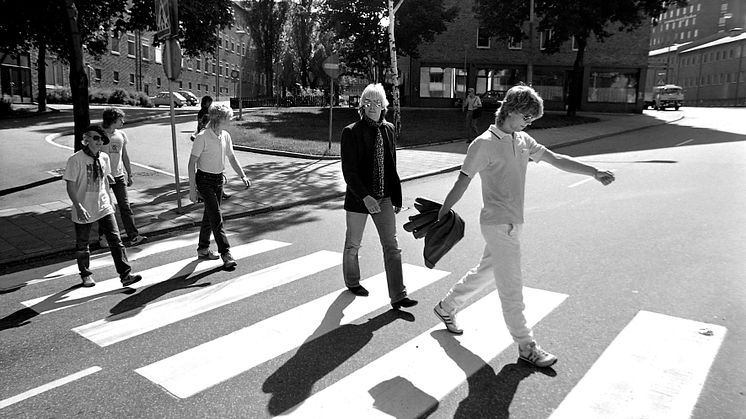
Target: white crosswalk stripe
<point>126,325</point>
<point>184,267</point>
<point>195,370</point>
<point>431,363</point>
<point>655,368</point>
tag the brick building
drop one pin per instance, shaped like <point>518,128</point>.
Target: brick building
<point>463,56</point>
<point>698,20</point>
<point>134,64</point>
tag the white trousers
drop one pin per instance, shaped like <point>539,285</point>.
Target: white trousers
<point>502,261</point>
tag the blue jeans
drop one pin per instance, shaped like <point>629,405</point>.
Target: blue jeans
<point>128,217</point>
<point>210,187</point>
<point>385,222</point>
<point>108,226</point>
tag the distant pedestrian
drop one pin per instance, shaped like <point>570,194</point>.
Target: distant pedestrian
<point>472,105</point>
<point>202,116</point>
<point>373,189</point>
<point>87,177</point>
<point>500,156</point>
<point>206,166</point>
<point>116,149</point>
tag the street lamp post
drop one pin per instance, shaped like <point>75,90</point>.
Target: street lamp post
<point>240,78</point>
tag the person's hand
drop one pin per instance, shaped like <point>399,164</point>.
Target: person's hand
<point>246,182</point>
<point>111,179</point>
<point>605,176</point>
<point>130,181</point>
<point>193,195</point>
<point>82,213</point>
<point>397,210</point>
<point>371,204</point>
<point>442,214</point>
<point>192,137</point>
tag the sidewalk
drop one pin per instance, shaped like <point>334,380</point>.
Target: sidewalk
<point>278,182</point>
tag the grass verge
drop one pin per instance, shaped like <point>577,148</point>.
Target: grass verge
<point>305,130</point>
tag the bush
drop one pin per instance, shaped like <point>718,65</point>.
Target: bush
<point>119,96</point>
<point>59,95</point>
<point>143,100</point>
<point>97,95</point>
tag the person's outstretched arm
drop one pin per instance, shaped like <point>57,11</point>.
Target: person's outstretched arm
<point>569,164</point>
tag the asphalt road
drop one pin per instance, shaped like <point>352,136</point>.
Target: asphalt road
<point>652,260</point>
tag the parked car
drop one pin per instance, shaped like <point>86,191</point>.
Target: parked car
<point>191,98</point>
<point>492,99</point>
<point>162,99</point>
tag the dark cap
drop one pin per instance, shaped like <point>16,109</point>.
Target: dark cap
<point>99,130</point>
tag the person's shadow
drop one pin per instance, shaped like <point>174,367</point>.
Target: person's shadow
<point>490,394</point>
<point>326,349</point>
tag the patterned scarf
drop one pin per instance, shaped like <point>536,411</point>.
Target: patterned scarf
<point>378,164</point>
<point>98,171</point>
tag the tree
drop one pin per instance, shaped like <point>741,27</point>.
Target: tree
<point>86,27</point>
<point>266,19</point>
<point>303,29</point>
<point>565,20</point>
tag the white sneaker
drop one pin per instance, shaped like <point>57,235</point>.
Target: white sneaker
<point>137,240</point>
<point>533,354</point>
<point>88,281</point>
<point>449,319</point>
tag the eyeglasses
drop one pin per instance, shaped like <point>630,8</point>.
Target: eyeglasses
<point>367,103</point>
<point>527,118</point>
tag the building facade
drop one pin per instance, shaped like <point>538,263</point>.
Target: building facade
<point>133,63</point>
<point>698,20</point>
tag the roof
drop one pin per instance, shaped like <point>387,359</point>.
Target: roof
<point>665,50</point>
<point>721,41</point>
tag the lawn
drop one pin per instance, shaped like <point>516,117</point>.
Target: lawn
<point>306,129</point>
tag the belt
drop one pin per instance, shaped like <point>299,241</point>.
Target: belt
<point>209,175</point>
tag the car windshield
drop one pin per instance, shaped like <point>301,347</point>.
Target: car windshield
<point>671,90</point>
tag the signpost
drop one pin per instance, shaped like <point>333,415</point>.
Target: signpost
<point>167,15</point>
<point>331,68</point>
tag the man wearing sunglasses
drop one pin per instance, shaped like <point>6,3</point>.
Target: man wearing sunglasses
<point>87,176</point>
<point>500,156</point>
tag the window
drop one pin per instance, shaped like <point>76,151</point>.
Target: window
<point>514,43</point>
<point>233,46</point>
<point>115,44</point>
<point>131,46</point>
<point>97,74</point>
<point>442,82</point>
<point>158,82</point>
<point>158,54</point>
<point>483,38</point>
<point>549,83</point>
<point>116,77</point>
<point>544,37</point>
<point>573,44</point>
<point>612,87</point>
<point>198,64</point>
<point>190,85</point>
<point>500,79</point>
<point>132,79</point>
<point>145,51</point>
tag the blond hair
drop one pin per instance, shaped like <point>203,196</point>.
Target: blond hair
<point>219,111</point>
<point>374,92</point>
<point>522,99</point>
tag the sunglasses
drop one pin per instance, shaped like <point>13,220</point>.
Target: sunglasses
<point>95,137</point>
<point>368,103</point>
<point>527,118</point>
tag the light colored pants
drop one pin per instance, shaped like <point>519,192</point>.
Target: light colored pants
<point>502,258</point>
<point>385,222</point>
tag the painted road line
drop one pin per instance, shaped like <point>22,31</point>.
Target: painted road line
<point>192,371</point>
<point>133,253</point>
<point>410,380</point>
<point>123,326</point>
<point>654,368</point>
<point>46,387</point>
<point>685,142</point>
<point>185,267</point>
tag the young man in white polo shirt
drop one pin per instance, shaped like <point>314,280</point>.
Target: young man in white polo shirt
<point>500,156</point>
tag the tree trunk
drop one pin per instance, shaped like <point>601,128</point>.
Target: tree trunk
<point>394,68</point>
<point>576,81</point>
<point>78,77</point>
<point>41,63</point>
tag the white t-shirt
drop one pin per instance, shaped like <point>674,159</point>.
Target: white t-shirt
<point>501,160</point>
<point>90,189</point>
<point>117,142</point>
<point>211,150</point>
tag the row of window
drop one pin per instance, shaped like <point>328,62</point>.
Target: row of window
<point>713,79</point>
<point>682,11</point>
<point>674,25</point>
<point>604,86</point>
<point>726,54</point>
<point>682,36</point>
<point>484,41</point>
<point>225,44</point>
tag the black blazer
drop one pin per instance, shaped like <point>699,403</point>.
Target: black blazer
<point>357,150</point>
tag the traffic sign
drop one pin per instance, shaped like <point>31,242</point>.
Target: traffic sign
<point>234,74</point>
<point>172,59</point>
<point>331,66</point>
<point>167,19</point>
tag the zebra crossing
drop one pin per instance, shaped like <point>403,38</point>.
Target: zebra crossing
<point>629,379</point>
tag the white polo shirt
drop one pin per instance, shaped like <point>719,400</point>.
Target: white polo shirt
<point>211,150</point>
<point>501,160</point>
